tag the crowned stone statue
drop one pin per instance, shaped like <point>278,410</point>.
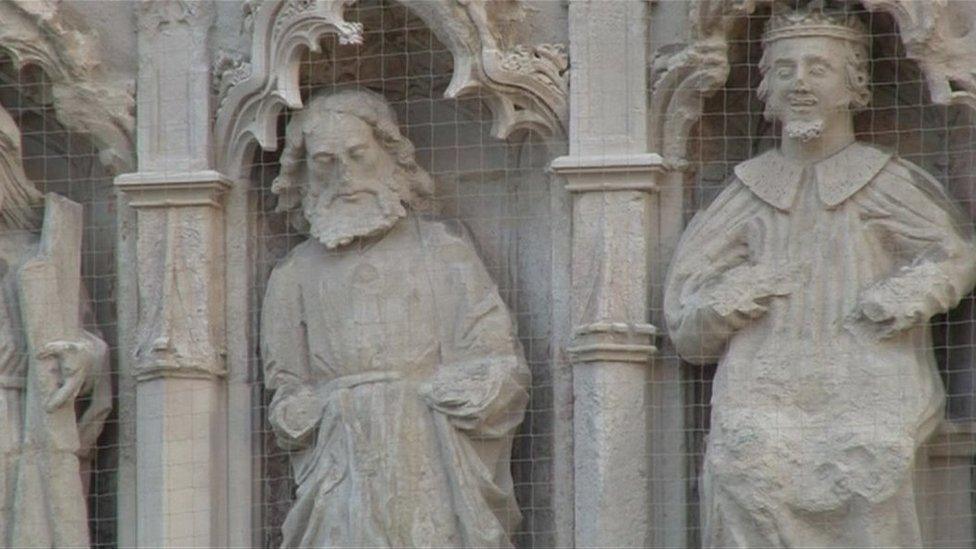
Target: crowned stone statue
<point>811,280</point>
<point>398,381</point>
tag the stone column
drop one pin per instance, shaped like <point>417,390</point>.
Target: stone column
<point>174,267</point>
<point>612,178</point>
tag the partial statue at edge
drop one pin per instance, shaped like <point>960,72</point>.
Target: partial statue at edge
<point>811,279</point>
<point>398,381</point>
<point>47,360</point>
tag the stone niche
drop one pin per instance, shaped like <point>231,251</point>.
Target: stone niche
<point>529,227</point>
<point>66,162</point>
<point>900,117</point>
<point>498,190</point>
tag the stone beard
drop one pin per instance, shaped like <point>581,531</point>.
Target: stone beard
<point>804,130</point>
<point>811,280</point>
<point>336,220</point>
<point>398,382</point>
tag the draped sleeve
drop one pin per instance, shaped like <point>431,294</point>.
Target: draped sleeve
<point>479,392</point>
<point>482,381</point>
<point>295,409</point>
<point>930,239</point>
<point>712,280</point>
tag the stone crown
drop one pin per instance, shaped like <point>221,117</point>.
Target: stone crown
<point>814,21</point>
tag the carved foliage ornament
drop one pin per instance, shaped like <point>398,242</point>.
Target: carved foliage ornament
<point>943,48</point>
<point>525,87</point>
<point>403,35</point>
<point>930,31</point>
<point>33,33</point>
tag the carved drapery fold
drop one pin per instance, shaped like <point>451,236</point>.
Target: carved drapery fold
<point>84,99</point>
<point>940,38</point>
<point>179,257</point>
<point>526,87</point>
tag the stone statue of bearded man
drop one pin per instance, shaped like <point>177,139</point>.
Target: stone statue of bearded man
<point>811,279</point>
<point>398,382</point>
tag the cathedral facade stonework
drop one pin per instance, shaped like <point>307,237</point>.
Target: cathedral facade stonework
<point>478,273</point>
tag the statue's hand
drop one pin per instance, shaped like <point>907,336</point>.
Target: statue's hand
<point>746,292</point>
<point>458,390</point>
<point>75,359</point>
<point>878,318</point>
<point>295,413</point>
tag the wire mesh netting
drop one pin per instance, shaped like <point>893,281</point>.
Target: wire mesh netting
<point>493,192</point>
<point>900,118</point>
<point>497,199</point>
<point>55,160</point>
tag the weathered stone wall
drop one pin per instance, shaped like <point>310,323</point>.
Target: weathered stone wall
<point>521,218</point>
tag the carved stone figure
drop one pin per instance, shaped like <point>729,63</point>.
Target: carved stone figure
<point>811,279</point>
<point>47,359</point>
<point>398,382</point>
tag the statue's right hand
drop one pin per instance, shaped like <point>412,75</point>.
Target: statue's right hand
<point>459,389</point>
<point>295,413</point>
<point>746,292</point>
<point>75,359</point>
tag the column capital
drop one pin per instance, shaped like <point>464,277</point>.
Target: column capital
<point>179,258</point>
<point>172,190</point>
<point>610,172</point>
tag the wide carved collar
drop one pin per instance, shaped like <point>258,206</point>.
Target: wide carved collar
<point>775,179</point>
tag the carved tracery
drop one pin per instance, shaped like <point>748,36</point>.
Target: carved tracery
<point>930,31</point>
<point>526,87</point>
<point>34,33</point>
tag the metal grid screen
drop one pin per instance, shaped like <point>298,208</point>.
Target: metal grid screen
<point>900,118</point>
<point>501,198</point>
<point>497,191</point>
<point>67,163</point>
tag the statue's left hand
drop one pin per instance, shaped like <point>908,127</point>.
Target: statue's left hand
<point>902,301</point>
<point>877,317</point>
<point>459,390</point>
<point>75,360</point>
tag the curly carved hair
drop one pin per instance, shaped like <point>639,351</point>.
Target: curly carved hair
<point>371,108</point>
<point>856,74</point>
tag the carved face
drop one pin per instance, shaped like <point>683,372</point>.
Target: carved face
<point>352,191</point>
<point>807,83</point>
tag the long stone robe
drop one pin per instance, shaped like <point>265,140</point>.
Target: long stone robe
<point>15,248</point>
<point>398,385</point>
<point>21,505</point>
<point>816,413</point>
